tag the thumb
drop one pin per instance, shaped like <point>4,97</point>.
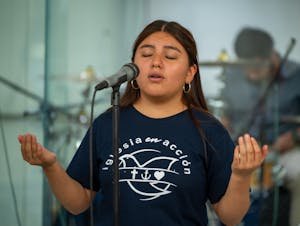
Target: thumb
<point>46,157</point>
<point>265,151</point>
<point>41,151</point>
<point>236,156</point>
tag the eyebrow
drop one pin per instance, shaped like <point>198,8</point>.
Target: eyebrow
<point>166,47</point>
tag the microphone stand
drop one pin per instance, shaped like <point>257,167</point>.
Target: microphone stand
<point>115,101</point>
<point>127,72</point>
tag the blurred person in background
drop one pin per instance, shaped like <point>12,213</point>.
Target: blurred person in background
<point>263,97</point>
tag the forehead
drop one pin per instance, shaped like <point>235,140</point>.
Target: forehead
<point>161,38</point>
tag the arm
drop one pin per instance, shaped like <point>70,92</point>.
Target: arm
<point>68,191</point>
<point>248,156</point>
<point>287,141</point>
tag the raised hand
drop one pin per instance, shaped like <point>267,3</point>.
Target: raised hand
<point>34,153</point>
<point>248,156</point>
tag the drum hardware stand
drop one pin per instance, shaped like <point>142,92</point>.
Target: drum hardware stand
<point>48,112</point>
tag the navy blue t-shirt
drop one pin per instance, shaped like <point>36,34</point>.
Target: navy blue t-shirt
<point>163,175</point>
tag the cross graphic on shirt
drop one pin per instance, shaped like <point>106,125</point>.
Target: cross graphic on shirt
<point>134,172</point>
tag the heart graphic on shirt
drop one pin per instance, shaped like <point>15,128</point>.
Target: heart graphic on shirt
<point>159,175</point>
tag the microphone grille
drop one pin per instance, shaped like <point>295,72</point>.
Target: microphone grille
<point>132,71</point>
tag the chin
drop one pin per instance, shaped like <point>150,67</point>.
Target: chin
<point>155,95</point>
<point>155,92</point>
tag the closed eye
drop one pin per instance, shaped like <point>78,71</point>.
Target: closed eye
<point>171,57</point>
<point>146,55</point>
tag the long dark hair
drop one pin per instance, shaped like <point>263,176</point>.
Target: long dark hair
<point>193,99</point>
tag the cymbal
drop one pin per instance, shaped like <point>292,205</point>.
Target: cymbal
<point>75,78</point>
<point>290,119</point>
<point>88,75</point>
<point>235,63</point>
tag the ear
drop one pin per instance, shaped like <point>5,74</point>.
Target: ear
<point>191,73</point>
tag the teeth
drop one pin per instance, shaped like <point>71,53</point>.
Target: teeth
<point>155,76</point>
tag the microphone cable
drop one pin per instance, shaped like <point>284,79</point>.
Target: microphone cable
<point>91,160</point>
<point>15,204</point>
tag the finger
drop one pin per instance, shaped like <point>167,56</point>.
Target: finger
<point>265,151</point>
<point>27,147</point>
<point>34,147</point>
<point>243,156</point>
<point>39,150</point>
<point>39,153</point>
<point>236,156</point>
<point>257,150</point>
<point>21,139</point>
<point>249,148</point>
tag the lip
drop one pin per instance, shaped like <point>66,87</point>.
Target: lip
<point>155,77</point>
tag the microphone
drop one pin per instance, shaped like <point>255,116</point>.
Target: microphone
<point>127,73</point>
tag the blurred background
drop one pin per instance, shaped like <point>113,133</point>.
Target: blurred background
<point>52,53</point>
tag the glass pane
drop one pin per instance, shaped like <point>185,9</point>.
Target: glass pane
<point>21,73</point>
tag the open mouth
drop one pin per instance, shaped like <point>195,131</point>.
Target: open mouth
<point>156,77</point>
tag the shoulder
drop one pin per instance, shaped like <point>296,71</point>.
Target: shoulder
<point>291,69</point>
<point>106,116</point>
<point>208,120</point>
<point>212,127</point>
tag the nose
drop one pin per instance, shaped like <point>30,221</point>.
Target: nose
<point>157,61</point>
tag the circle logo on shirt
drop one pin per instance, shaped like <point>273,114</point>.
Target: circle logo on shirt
<point>149,172</point>
<point>148,179</point>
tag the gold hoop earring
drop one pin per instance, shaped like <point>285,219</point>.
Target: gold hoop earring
<point>187,87</point>
<point>134,85</point>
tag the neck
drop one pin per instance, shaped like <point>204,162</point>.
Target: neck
<point>159,108</point>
